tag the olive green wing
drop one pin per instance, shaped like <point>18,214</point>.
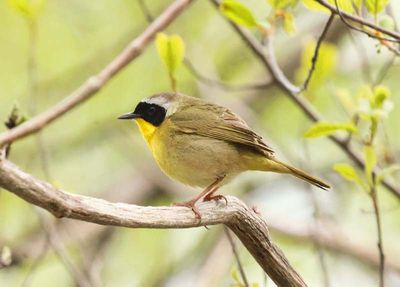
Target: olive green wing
<point>220,123</point>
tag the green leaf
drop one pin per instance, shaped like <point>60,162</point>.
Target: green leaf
<point>387,22</point>
<point>28,8</point>
<point>375,6</point>
<point>327,128</point>
<point>347,172</point>
<point>288,23</point>
<point>238,13</point>
<point>370,161</point>
<point>374,104</point>
<point>171,50</point>
<point>387,171</point>
<point>380,94</point>
<point>281,4</point>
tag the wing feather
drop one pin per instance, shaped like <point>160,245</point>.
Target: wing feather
<point>220,123</point>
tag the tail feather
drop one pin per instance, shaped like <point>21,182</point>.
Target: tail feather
<point>303,175</point>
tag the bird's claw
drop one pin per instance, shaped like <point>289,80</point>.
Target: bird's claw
<point>216,198</point>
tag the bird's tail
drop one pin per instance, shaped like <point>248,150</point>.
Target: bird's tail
<point>281,167</point>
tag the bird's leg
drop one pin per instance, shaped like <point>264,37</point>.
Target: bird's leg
<point>191,203</point>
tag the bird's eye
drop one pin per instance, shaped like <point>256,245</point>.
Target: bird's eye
<point>151,111</point>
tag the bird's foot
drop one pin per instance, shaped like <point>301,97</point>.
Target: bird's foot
<point>216,197</point>
<point>190,204</point>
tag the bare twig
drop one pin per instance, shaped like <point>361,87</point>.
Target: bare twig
<point>374,198</point>
<point>247,225</point>
<point>269,61</point>
<point>333,9</point>
<point>239,263</point>
<point>145,11</point>
<point>95,83</point>
<point>384,41</point>
<point>349,25</point>
<point>316,51</point>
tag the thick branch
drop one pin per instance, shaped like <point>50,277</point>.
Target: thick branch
<point>245,223</point>
<point>95,83</point>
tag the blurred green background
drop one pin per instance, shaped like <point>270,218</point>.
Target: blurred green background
<point>89,152</point>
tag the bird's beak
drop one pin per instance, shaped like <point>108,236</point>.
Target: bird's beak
<point>129,116</point>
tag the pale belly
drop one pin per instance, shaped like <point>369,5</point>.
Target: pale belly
<point>196,160</point>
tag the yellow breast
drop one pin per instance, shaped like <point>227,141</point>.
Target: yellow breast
<point>156,140</point>
<point>147,130</point>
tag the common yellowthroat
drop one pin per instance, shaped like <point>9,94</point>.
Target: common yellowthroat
<point>203,144</point>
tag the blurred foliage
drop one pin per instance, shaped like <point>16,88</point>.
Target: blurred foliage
<point>90,152</point>
<point>28,8</point>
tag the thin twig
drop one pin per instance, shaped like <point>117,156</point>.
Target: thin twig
<point>235,252</point>
<point>316,51</point>
<point>95,83</point>
<point>374,198</point>
<point>332,8</point>
<point>384,41</point>
<point>269,61</point>
<point>349,25</point>
<point>145,11</point>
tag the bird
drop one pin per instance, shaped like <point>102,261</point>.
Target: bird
<point>202,144</point>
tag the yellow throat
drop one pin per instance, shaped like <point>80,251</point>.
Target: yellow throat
<point>147,130</point>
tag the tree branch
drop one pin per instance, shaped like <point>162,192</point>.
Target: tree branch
<point>316,51</point>
<point>333,9</point>
<point>269,61</point>
<point>246,224</point>
<point>95,83</point>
